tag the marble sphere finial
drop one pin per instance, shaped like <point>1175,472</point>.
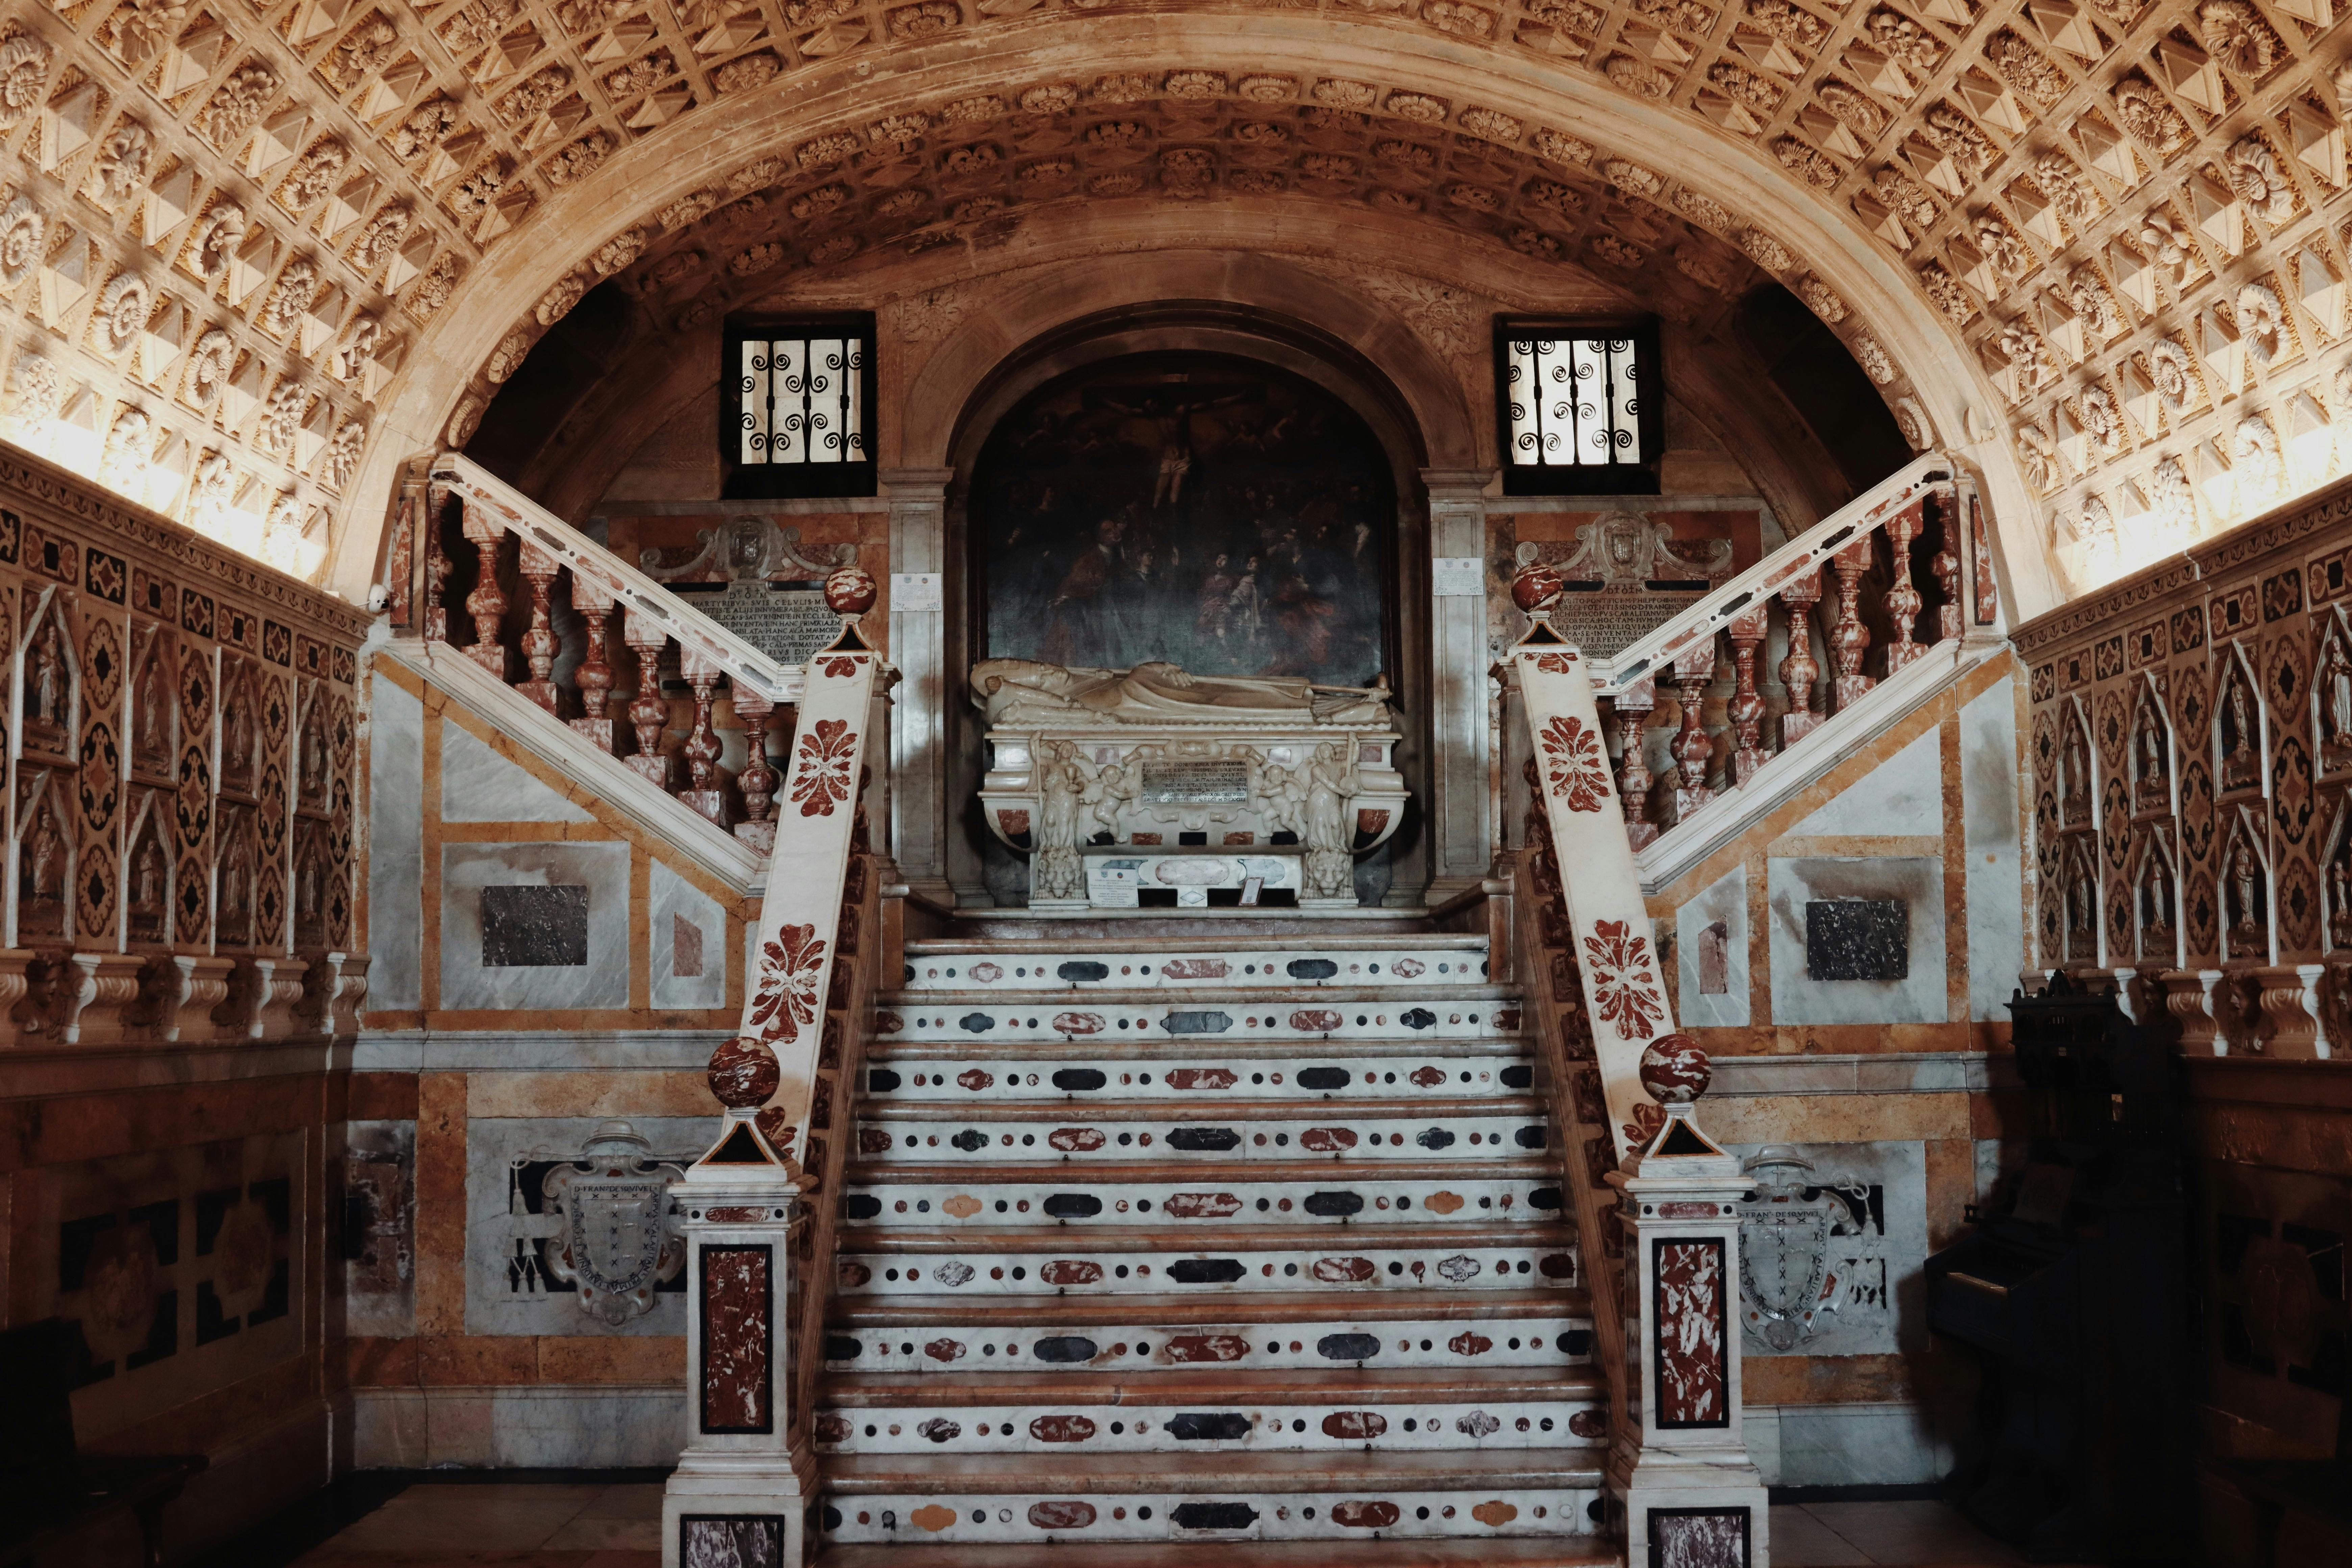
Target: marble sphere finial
<point>850,592</point>
<point>1675,1070</point>
<point>1537,587</point>
<point>744,1072</point>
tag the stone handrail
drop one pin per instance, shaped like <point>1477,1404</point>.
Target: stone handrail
<point>1832,655</point>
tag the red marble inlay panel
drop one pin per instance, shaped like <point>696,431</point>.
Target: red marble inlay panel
<point>738,1299</point>
<point>1686,1284</point>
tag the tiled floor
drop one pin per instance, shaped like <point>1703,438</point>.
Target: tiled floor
<point>539,1526</point>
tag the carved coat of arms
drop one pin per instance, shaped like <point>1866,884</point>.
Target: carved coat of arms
<point>617,1239</point>
<point>1788,1282</point>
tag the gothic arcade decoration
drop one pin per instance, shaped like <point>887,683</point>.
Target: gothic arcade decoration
<point>618,1239</point>
<point>1192,509</point>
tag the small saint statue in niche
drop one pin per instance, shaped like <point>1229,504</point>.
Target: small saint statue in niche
<point>1058,872</point>
<point>2078,774</point>
<point>236,742</point>
<point>2336,705</point>
<point>147,890</point>
<point>45,687</point>
<point>2155,896</point>
<point>2152,791</point>
<point>2240,765</point>
<point>1331,869</point>
<point>2082,904</point>
<point>2339,898</point>
<point>153,745</point>
<point>2245,890</point>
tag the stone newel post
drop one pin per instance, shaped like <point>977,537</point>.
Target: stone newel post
<point>1693,1498</point>
<point>737,1496</point>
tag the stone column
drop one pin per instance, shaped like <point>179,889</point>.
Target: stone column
<point>735,1496</point>
<point>919,803</point>
<point>1460,807</point>
<point>1693,1498</point>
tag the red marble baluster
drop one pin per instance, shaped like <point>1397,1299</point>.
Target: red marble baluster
<point>1634,705</point>
<point>487,604</point>
<point>1946,565</point>
<point>1903,600</point>
<point>1849,638</point>
<point>436,576</point>
<point>758,781</point>
<point>1981,551</point>
<point>1800,669</point>
<point>705,788</point>
<point>649,714</point>
<point>1746,710</point>
<point>594,676</point>
<point>1694,673</point>
<point>538,569</point>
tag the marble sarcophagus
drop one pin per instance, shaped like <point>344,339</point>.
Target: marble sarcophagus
<point>1126,787</point>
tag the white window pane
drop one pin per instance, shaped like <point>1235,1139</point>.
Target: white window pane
<point>825,369</point>
<point>1525,413</point>
<point>853,402</point>
<point>788,439</point>
<point>751,387</point>
<point>1626,407</point>
<point>1591,410</point>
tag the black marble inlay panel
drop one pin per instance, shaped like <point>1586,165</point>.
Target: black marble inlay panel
<point>1857,939</point>
<point>529,927</point>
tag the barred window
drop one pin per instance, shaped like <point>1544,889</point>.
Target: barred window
<point>800,415</point>
<point>1578,404</point>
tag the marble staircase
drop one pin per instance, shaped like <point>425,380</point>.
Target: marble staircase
<point>1154,1242</point>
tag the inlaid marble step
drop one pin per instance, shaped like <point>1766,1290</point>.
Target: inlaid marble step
<point>1068,966</point>
<point>1511,1191</point>
<point>1175,1311</point>
<point>1557,1552</point>
<point>907,1072</point>
<point>1340,1012</point>
<point>1053,1428</point>
<point>1247,1133</point>
<point>874,1266</point>
<point>1547,1330</point>
<point>1189,1411</point>
<point>1243,1496</point>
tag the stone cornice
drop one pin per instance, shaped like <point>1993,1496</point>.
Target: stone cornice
<point>55,497</point>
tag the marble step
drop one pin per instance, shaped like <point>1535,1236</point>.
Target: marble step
<point>1249,1132</point>
<point>880,1266</point>
<point>1511,1191</point>
<point>1559,1552</point>
<point>1076,967</point>
<point>1114,1019</point>
<point>1531,1329</point>
<point>1344,1410</point>
<point>905,1072</point>
<point>962,1500</point>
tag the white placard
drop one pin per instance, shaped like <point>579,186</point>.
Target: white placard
<point>914,593</point>
<point>1458,576</point>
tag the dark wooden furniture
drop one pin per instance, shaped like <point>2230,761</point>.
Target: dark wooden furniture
<point>2074,1289</point>
<point>48,1490</point>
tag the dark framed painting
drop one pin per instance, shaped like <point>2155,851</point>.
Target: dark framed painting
<point>1203,509</point>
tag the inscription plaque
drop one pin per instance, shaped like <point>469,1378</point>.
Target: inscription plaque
<point>1195,783</point>
<point>789,624</point>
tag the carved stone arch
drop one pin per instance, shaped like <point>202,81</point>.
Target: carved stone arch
<point>2152,751</point>
<point>241,726</point>
<point>314,765</point>
<point>2249,924</point>
<point>152,729</point>
<point>149,869</point>
<point>2241,726</point>
<point>49,661</point>
<point>42,858</point>
<point>1915,350</point>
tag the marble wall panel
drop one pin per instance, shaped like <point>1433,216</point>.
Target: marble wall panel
<point>478,784</point>
<point>686,940</point>
<point>468,981</point>
<point>396,848</point>
<point>1993,862</point>
<point>380,1228</point>
<point>1876,1251</point>
<point>509,1225</point>
<point>1714,962</point>
<point>1903,794</point>
<point>1917,881</point>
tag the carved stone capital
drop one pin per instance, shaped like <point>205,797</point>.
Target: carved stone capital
<point>266,991</point>
<point>100,989</point>
<point>193,985</point>
<point>2293,1027</point>
<point>2189,996</point>
<point>348,990</point>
